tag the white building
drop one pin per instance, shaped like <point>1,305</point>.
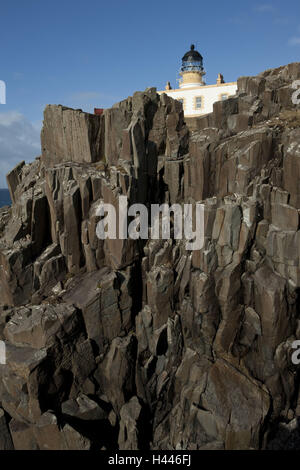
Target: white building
<point>197,97</point>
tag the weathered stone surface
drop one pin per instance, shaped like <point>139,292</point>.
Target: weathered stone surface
<point>14,178</point>
<point>136,344</point>
<point>129,428</point>
<point>74,440</point>
<point>83,408</point>
<point>38,327</point>
<point>22,435</point>
<point>5,437</point>
<point>104,304</point>
<point>285,217</point>
<point>115,374</point>
<point>71,135</point>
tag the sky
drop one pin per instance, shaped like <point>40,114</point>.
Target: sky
<point>94,53</point>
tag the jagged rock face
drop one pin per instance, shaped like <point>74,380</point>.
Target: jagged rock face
<point>128,344</point>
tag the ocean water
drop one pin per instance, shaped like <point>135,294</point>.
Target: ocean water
<point>4,197</point>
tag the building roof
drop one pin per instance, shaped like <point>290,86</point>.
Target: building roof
<point>192,55</point>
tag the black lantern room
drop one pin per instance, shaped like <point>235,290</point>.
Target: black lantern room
<point>192,61</point>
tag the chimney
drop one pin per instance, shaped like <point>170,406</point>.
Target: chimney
<point>220,79</point>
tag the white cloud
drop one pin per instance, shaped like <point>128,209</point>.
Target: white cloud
<point>265,8</point>
<point>19,140</point>
<point>9,118</point>
<point>295,41</point>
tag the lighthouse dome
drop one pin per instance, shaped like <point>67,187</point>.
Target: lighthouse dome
<point>192,55</point>
<point>192,61</point>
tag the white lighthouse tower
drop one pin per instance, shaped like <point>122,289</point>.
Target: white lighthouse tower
<point>192,70</point>
<point>196,96</point>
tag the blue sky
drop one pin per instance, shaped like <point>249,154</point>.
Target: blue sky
<point>94,53</point>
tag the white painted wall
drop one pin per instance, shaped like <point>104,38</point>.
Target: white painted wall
<point>210,94</point>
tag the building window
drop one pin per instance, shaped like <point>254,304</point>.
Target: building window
<point>198,102</point>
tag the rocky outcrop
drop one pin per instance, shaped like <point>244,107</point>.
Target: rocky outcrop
<point>137,344</point>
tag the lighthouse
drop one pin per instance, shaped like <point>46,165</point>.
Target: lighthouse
<point>192,70</point>
<point>196,96</point>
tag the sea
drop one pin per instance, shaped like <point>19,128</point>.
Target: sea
<point>4,198</point>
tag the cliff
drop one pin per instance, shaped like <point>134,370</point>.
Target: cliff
<point>136,344</point>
